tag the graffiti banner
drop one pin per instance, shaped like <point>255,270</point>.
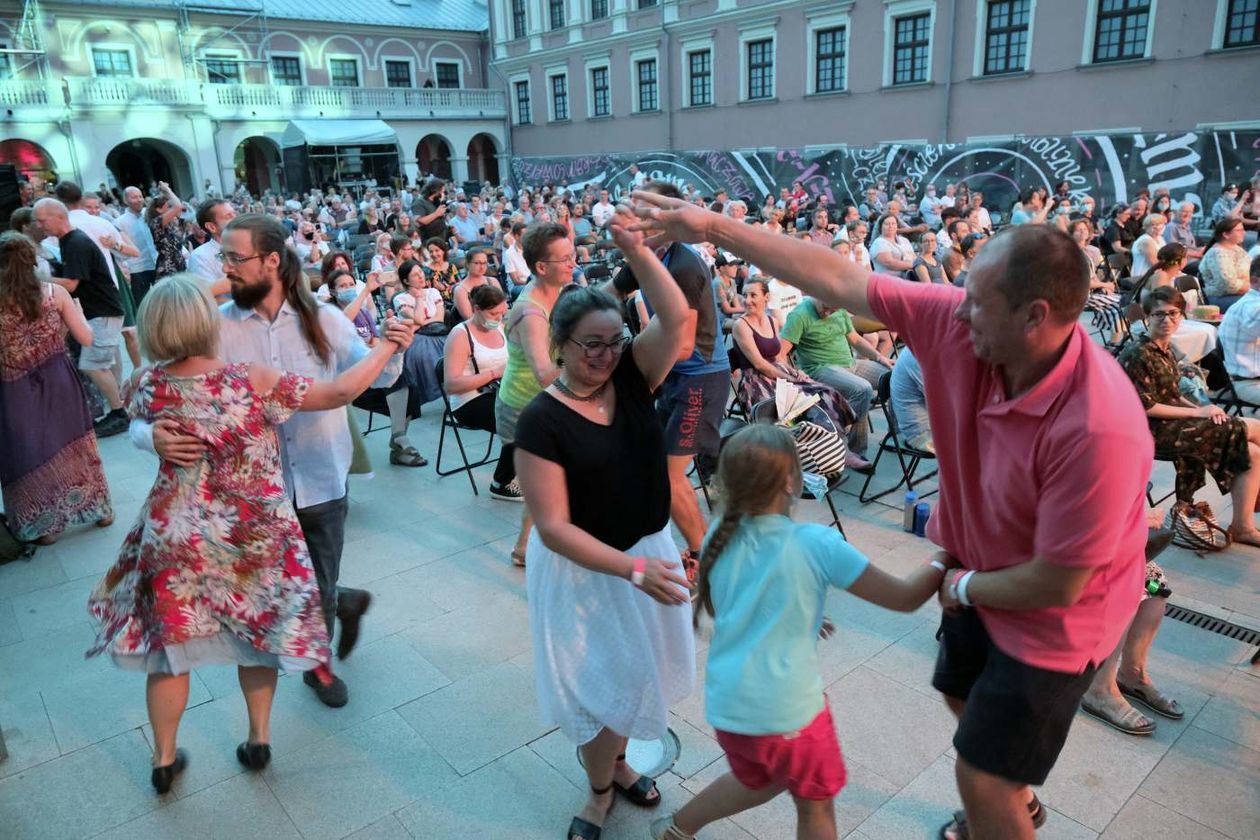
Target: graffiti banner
<point>1110,168</point>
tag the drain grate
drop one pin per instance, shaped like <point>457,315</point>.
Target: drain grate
<point>1212,624</point>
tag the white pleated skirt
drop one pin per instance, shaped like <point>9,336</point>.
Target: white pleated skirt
<point>606,654</point>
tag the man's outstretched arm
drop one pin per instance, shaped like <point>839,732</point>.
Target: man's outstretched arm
<point>815,270</point>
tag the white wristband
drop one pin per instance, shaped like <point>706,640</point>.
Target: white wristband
<point>937,564</point>
<point>963,581</point>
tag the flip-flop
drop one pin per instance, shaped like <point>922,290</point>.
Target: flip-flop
<point>1130,723</point>
<point>957,829</point>
<point>1153,699</point>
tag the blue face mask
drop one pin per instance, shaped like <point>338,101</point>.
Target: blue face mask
<point>346,296</point>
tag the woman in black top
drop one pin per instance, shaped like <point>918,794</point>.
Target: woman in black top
<point>609,607</point>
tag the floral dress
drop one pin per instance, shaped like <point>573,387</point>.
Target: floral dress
<point>215,568</point>
<point>167,243</point>
<point>1192,444</point>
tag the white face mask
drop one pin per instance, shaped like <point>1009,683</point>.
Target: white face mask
<point>490,323</point>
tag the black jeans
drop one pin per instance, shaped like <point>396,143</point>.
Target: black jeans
<point>478,413</point>
<point>324,526</point>
<point>141,282</point>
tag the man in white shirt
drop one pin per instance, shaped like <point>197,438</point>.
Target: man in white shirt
<point>143,267</point>
<point>514,262</point>
<point>637,178</point>
<point>212,216</point>
<point>930,207</point>
<point>267,322</point>
<point>602,211</point>
<point>977,204</point>
<point>1240,340</point>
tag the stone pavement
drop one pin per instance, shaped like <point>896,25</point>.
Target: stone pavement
<point>441,738</point>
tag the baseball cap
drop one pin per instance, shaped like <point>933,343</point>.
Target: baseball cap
<point>724,258</point>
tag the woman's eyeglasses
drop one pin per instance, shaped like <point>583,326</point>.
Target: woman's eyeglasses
<point>1167,315</point>
<point>595,349</point>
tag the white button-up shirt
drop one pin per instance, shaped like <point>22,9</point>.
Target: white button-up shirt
<point>314,445</point>
<point>1240,336</point>
<point>205,263</point>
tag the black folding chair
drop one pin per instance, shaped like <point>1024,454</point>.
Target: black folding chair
<point>766,412</point>
<point>908,457</point>
<point>449,422</point>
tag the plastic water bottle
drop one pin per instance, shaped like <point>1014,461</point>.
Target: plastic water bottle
<point>815,484</point>
<point>907,521</point>
<point>921,513</point>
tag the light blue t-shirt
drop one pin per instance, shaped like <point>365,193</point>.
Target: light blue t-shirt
<point>768,587</point>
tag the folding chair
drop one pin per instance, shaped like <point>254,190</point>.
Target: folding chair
<point>449,422</point>
<point>908,457</point>
<point>766,412</point>
<point>373,402</point>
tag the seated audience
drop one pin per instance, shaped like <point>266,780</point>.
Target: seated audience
<point>1224,269</point>
<point>909,403</point>
<point>1240,339</point>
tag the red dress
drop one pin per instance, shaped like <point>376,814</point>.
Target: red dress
<point>216,560</point>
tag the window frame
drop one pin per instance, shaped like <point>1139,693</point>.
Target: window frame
<point>552,7</point>
<point>516,81</point>
<point>820,21</point>
<point>127,49</point>
<point>232,57</point>
<point>750,35</point>
<point>271,68</point>
<point>1092,20</point>
<point>640,5</point>
<point>553,112</point>
<point>895,10</point>
<point>518,11</point>
<point>706,74</point>
<point>636,56</point>
<point>980,68</point>
<point>1221,28</point>
<point>592,110</point>
<point>387,60</point>
<point>332,76</point>
<point>459,72</point>
<point>606,8</point>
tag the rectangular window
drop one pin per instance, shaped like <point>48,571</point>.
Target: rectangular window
<point>647,4</point>
<point>1006,37</point>
<point>560,97</point>
<point>600,106</point>
<point>555,9</point>
<point>344,72</point>
<point>285,70</point>
<point>112,64</point>
<point>447,74</point>
<point>398,74</point>
<point>911,36</point>
<point>829,60</point>
<point>761,69</point>
<point>518,18</point>
<point>648,98</point>
<point>222,70</point>
<point>599,9</point>
<point>523,116</point>
<point>1241,24</point>
<point>1121,29</point>
<point>700,68</point>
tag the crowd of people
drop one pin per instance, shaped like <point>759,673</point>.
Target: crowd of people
<point>604,342</point>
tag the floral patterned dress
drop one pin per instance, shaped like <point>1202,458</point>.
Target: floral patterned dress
<point>1192,444</point>
<point>215,569</point>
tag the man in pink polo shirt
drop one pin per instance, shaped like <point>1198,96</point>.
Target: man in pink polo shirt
<point>1044,455</point>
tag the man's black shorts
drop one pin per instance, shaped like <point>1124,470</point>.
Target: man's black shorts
<point>691,409</point>
<point>1017,716</point>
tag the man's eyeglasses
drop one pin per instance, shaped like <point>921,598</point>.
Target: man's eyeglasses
<point>1167,315</point>
<point>237,259</point>
<point>595,349</point>
<point>571,260</point>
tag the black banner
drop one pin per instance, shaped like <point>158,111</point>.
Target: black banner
<point>1110,168</point>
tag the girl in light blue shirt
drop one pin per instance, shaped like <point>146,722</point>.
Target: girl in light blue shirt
<point>764,579</point>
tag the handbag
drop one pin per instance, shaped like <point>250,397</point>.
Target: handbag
<point>491,387</point>
<point>822,451</point>
<point>1195,527</point>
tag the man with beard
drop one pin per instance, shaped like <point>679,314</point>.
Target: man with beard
<point>273,319</point>
<point>1044,456</point>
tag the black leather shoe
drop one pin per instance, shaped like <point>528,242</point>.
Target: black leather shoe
<point>351,605</point>
<point>253,756</point>
<point>163,776</point>
<point>331,690</point>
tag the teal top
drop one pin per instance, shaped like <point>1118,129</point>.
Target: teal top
<point>768,587</point>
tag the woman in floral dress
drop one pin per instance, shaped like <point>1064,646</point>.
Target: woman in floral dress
<point>215,569</point>
<point>163,219</point>
<point>50,468</point>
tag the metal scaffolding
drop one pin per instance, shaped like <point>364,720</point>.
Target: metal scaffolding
<point>28,41</point>
<point>253,18</point>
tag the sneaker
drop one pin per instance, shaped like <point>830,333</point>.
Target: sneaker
<point>114,423</point>
<point>329,688</point>
<point>510,492</point>
<point>351,605</point>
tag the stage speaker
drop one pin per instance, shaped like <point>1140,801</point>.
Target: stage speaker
<point>10,198</point>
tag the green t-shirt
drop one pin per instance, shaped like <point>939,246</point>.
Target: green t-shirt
<point>819,342</point>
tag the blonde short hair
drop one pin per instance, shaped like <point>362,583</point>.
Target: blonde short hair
<point>177,319</point>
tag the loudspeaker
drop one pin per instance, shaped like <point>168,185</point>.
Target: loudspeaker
<point>10,198</point>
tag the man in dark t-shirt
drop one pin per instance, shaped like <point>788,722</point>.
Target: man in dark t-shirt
<point>86,275</point>
<point>693,397</point>
<point>428,211</point>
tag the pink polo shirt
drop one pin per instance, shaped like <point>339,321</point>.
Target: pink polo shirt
<point>1058,472</point>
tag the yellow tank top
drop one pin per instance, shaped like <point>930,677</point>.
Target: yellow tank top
<point>519,385</point>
